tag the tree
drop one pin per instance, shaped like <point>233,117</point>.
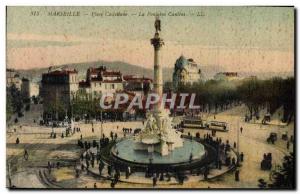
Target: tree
<point>16,99</point>
<point>9,107</point>
<point>285,177</point>
<point>256,94</point>
<point>83,104</point>
<point>249,92</point>
<point>288,99</point>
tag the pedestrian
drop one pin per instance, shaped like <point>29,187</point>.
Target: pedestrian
<point>111,135</point>
<point>112,184</point>
<point>109,170</point>
<point>288,145</point>
<point>129,170</point>
<point>95,186</point>
<point>49,167</point>
<point>101,167</point>
<point>25,154</point>
<point>77,173</point>
<point>242,156</point>
<point>237,175</point>
<point>161,178</point>
<point>17,141</point>
<point>126,174</point>
<point>206,172</point>
<point>220,164</point>
<point>154,180</point>
<point>233,162</point>
<point>92,163</point>
<point>241,129</point>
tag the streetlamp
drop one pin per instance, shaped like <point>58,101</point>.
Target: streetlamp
<point>101,131</point>
<point>238,143</point>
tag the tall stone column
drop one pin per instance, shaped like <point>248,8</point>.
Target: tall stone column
<point>157,43</point>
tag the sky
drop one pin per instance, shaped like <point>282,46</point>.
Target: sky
<point>252,39</point>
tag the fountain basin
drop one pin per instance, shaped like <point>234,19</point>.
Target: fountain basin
<point>125,150</point>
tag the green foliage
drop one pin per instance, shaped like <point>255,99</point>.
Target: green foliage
<point>83,104</point>
<point>9,108</point>
<point>285,177</point>
<point>14,102</point>
<point>272,94</point>
<point>56,109</point>
<point>212,93</point>
<point>254,93</point>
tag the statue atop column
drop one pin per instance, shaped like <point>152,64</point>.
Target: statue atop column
<point>158,133</point>
<point>157,25</point>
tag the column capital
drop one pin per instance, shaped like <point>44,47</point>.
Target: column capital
<point>157,43</point>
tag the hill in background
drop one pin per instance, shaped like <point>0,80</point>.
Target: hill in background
<point>128,69</point>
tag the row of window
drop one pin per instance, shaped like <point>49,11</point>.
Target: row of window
<point>106,86</point>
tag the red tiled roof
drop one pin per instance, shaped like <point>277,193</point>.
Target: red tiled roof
<point>136,79</point>
<point>110,73</point>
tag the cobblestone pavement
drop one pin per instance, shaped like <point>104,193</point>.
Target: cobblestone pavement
<point>42,148</point>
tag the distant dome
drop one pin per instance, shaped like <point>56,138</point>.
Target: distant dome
<point>181,62</point>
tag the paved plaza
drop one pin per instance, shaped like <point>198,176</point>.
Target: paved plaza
<point>33,173</point>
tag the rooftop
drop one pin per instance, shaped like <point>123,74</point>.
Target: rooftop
<point>61,72</point>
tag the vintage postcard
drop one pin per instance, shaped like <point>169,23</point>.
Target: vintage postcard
<point>150,97</point>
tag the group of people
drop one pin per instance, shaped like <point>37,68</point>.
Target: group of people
<point>114,171</point>
<point>266,163</point>
<point>224,157</point>
<point>113,136</point>
<point>162,177</point>
<point>67,133</point>
<point>127,130</point>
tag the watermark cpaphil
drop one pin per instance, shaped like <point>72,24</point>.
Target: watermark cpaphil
<point>166,100</point>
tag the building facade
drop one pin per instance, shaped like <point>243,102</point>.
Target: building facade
<point>29,89</point>
<point>101,81</point>
<point>58,89</point>
<point>186,71</point>
<point>138,85</point>
<point>13,78</point>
